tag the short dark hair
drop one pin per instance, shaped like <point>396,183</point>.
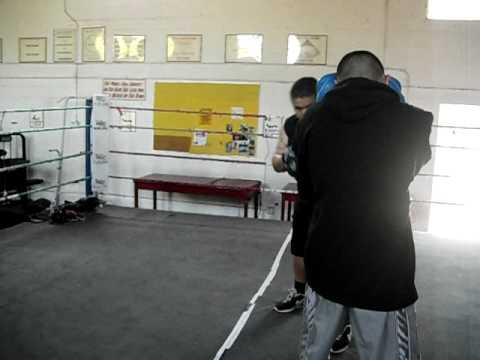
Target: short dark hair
<point>304,87</point>
<point>360,63</point>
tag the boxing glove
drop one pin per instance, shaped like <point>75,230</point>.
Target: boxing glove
<point>289,161</point>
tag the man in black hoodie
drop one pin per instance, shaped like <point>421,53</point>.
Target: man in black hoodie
<point>358,151</point>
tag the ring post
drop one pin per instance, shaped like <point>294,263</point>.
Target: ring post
<point>88,147</point>
<point>100,145</point>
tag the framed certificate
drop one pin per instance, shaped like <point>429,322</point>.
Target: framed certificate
<point>129,48</point>
<point>243,48</point>
<point>307,49</point>
<point>93,44</point>
<point>32,50</point>
<point>64,45</point>
<point>184,48</point>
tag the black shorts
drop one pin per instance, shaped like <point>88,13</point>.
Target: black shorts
<point>300,226</point>
<point>297,247</point>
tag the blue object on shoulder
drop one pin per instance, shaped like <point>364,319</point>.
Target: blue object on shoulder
<point>395,85</point>
<point>327,82</point>
<point>324,85</point>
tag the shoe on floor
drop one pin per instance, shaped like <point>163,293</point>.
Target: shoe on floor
<point>342,342</point>
<point>292,302</point>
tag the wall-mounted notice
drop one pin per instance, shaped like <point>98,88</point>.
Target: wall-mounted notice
<point>307,49</point>
<point>32,50</point>
<point>64,45</point>
<point>219,118</point>
<point>200,138</point>
<point>272,126</point>
<point>37,120</point>
<point>129,89</point>
<point>128,121</point>
<point>93,44</point>
<point>129,48</point>
<point>243,48</point>
<point>184,48</point>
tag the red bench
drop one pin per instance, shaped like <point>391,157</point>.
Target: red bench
<point>239,189</point>
<point>289,195</point>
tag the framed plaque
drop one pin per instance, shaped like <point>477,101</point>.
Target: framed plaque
<point>307,49</point>
<point>32,50</point>
<point>64,45</point>
<point>93,44</point>
<point>1,50</point>
<point>184,48</point>
<point>243,48</point>
<point>129,48</point>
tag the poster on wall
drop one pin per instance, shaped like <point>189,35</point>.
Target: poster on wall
<point>307,49</point>
<point>214,118</point>
<point>37,120</point>
<point>32,50</point>
<point>93,44</point>
<point>184,48</point>
<point>272,126</point>
<point>64,45</point>
<point>128,120</point>
<point>129,48</point>
<point>243,48</point>
<point>126,89</point>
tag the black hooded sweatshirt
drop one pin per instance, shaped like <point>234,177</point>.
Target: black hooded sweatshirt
<point>357,153</point>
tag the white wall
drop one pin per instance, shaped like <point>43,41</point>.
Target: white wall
<point>434,60</point>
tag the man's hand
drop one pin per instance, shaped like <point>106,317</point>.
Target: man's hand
<point>290,161</point>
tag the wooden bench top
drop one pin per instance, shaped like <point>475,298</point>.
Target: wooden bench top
<point>200,181</point>
<point>240,189</point>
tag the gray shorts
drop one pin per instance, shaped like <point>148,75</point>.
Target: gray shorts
<point>378,335</point>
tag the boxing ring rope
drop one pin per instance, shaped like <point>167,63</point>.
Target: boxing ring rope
<point>182,111</point>
<point>46,188</point>
<point>21,166</point>
<point>88,126</point>
<point>215,132</point>
<point>27,131</point>
<point>11,111</point>
<point>86,154</point>
<point>456,127</point>
<point>233,161</point>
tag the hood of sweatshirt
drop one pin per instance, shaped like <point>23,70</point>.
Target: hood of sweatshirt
<point>355,99</point>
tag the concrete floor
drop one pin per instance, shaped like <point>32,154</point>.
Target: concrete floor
<point>141,284</point>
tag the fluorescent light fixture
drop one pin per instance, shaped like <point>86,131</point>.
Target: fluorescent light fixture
<point>453,10</point>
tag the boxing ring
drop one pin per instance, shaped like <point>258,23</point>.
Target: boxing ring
<point>137,283</point>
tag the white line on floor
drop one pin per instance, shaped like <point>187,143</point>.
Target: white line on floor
<point>232,337</point>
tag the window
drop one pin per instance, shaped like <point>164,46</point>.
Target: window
<point>456,193</point>
<point>453,10</point>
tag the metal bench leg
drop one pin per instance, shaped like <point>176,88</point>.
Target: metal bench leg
<point>245,209</point>
<point>136,196</point>
<point>154,199</point>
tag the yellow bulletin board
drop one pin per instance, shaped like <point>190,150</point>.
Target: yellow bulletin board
<point>235,132</point>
